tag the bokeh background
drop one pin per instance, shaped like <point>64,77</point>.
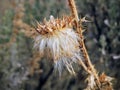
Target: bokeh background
<point>102,39</point>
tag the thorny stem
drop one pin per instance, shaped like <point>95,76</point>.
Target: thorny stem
<point>84,66</point>
<point>73,9</point>
<point>83,48</point>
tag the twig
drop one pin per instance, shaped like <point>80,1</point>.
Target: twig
<point>73,9</point>
<point>82,45</point>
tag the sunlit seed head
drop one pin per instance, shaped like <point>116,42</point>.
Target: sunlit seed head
<point>58,41</point>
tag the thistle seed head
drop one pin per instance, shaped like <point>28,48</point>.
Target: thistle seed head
<point>58,41</point>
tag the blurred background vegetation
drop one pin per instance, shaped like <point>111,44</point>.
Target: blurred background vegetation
<point>102,38</point>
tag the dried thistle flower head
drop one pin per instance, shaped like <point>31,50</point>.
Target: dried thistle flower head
<point>58,41</point>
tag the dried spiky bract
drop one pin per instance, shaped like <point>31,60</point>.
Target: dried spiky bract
<point>106,82</point>
<point>91,82</point>
<point>58,41</point>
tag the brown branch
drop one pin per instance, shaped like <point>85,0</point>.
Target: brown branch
<point>82,45</point>
<point>73,9</point>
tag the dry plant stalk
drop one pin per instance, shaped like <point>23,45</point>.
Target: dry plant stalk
<point>19,25</point>
<point>82,45</point>
<point>90,68</point>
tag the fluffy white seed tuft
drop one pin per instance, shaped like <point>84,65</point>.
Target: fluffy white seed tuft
<point>61,46</point>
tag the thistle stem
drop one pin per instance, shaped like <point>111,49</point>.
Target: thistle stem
<point>82,45</point>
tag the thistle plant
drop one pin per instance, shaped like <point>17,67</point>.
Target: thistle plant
<point>61,40</point>
<point>94,81</point>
